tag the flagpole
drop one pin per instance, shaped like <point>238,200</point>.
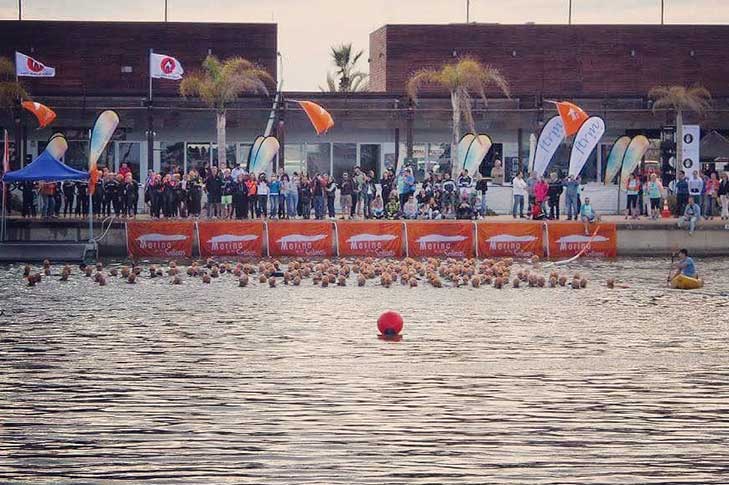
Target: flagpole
<point>91,200</point>
<point>150,119</point>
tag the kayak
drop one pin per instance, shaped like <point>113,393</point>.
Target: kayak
<point>683,282</point>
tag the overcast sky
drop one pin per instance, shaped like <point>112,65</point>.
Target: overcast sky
<point>307,28</point>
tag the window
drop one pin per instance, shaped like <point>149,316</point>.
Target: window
<point>389,151</point>
<point>106,159</point>
<point>172,157</point>
<point>244,150</point>
<point>129,153</point>
<point>318,158</point>
<point>496,152</point>
<point>369,159</point>
<point>293,157</point>
<point>77,155</point>
<point>345,158</point>
<point>198,156</point>
<point>439,157</point>
<point>230,155</point>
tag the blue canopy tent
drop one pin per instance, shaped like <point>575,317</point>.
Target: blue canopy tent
<point>45,168</point>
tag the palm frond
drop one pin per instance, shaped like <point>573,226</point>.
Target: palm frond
<point>421,78</point>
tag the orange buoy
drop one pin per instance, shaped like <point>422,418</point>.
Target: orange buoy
<point>390,323</point>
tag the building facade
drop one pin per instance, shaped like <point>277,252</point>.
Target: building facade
<point>607,70</point>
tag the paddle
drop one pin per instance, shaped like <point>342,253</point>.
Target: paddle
<point>670,270</point>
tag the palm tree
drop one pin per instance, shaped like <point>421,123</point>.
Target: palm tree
<point>462,79</point>
<point>10,89</point>
<point>679,99</point>
<point>345,79</point>
<point>219,83</point>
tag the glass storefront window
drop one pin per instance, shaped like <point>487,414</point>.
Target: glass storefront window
<point>293,158</point>
<point>318,158</point>
<point>439,157</point>
<point>77,155</point>
<point>172,157</point>
<point>345,158</point>
<point>230,155</point>
<point>389,155</point>
<point>369,159</point>
<point>106,160</point>
<point>244,150</point>
<point>130,153</point>
<point>198,156</point>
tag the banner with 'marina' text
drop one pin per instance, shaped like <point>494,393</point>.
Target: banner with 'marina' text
<point>160,239</point>
<point>300,238</point>
<point>378,239</point>
<point>440,239</point>
<point>566,239</point>
<point>241,239</point>
<point>510,239</point>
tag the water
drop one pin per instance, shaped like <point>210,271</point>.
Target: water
<point>219,384</point>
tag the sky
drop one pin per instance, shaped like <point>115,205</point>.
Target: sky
<point>308,28</point>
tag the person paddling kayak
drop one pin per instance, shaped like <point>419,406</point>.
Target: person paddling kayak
<point>685,275</point>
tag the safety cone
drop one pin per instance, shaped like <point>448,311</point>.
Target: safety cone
<point>665,213</point>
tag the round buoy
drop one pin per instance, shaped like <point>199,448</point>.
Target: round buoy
<point>390,323</point>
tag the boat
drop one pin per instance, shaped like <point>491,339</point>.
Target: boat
<point>683,282</point>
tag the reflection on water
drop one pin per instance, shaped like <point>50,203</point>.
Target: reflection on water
<point>220,384</point>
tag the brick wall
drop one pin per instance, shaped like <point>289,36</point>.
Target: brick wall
<point>88,56</point>
<point>560,60</point>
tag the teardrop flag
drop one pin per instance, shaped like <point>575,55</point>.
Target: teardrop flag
<point>585,142</point>
<point>44,114</point>
<point>104,128</point>
<point>57,146</point>
<point>615,158</point>
<point>572,116</point>
<point>478,149</point>
<point>463,146</point>
<point>319,117</point>
<point>550,138</point>
<point>267,150</point>
<point>633,155</point>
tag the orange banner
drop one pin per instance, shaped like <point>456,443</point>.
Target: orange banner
<point>566,239</point>
<point>300,238</point>
<point>160,239</point>
<point>513,239</point>
<point>379,239</point>
<point>444,239</point>
<point>241,239</point>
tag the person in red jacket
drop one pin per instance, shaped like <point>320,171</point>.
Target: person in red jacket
<point>541,191</point>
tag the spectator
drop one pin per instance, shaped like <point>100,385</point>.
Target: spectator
<point>571,196</point>
<point>464,210</point>
<point>632,188</point>
<point>393,207</point>
<point>531,183</point>
<point>723,193</point>
<point>682,193</point>
<point>482,186</point>
<point>410,208</point>
<point>226,200</point>
<point>345,196</point>
<point>274,197</point>
<point>214,189</point>
<point>691,216</point>
<point>317,189</point>
<point>497,173</point>
<point>696,187</point>
<point>252,187</point>
<point>378,207</point>
<point>306,196</point>
<point>554,193</point>
<point>587,215</point>
<point>331,193</point>
<point>541,191</point>
<point>711,192</point>
<point>464,183</point>
<point>655,191</point>
<point>519,189</point>
<point>194,194</point>
<point>262,196</point>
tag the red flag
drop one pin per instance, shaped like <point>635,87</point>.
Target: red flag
<point>319,117</point>
<point>572,116</point>
<point>44,114</point>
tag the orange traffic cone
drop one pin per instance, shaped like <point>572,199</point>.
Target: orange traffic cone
<point>665,213</point>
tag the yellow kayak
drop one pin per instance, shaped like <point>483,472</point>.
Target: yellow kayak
<point>683,282</point>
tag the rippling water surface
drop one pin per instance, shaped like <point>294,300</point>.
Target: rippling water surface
<point>220,384</point>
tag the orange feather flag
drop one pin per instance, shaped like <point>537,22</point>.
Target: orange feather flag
<point>44,114</point>
<point>319,117</point>
<point>572,116</point>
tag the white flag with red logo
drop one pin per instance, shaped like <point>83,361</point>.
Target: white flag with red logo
<point>27,66</point>
<point>165,67</point>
